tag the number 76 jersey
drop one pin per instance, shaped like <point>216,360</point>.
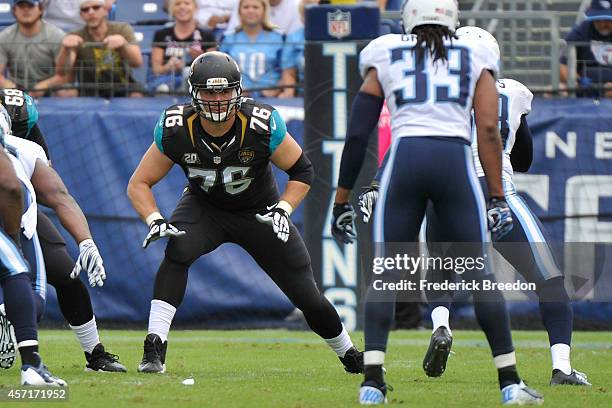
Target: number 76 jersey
<point>427,98</point>
<point>231,172</point>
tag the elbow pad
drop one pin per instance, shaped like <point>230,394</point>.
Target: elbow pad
<point>301,170</point>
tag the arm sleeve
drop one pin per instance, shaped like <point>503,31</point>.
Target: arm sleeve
<point>577,34</point>
<point>278,130</point>
<point>521,155</point>
<point>158,132</point>
<point>32,112</point>
<point>365,113</point>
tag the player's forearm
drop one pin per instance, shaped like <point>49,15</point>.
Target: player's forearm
<point>295,192</point>
<point>142,199</point>
<point>490,153</point>
<point>342,195</point>
<point>131,53</point>
<point>11,197</point>
<point>64,61</point>
<point>71,217</point>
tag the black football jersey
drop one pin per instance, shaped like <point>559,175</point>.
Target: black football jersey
<point>24,116</point>
<point>232,172</point>
<point>21,109</point>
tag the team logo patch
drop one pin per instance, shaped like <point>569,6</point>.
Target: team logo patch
<point>339,24</point>
<point>245,155</point>
<point>191,158</point>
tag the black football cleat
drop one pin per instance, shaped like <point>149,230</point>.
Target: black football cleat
<point>435,359</point>
<point>574,378</point>
<point>154,356</point>
<point>353,361</point>
<point>102,360</point>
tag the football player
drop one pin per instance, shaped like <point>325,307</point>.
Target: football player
<point>534,261</point>
<point>431,81</point>
<point>19,305</point>
<point>61,270</point>
<point>225,143</point>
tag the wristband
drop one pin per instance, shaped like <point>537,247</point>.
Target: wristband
<point>154,216</point>
<point>283,205</point>
<point>85,242</point>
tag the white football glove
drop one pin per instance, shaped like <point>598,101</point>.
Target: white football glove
<point>367,201</point>
<point>91,261</point>
<point>160,228</point>
<point>278,218</point>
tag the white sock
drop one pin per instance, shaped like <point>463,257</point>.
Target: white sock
<point>505,360</point>
<point>87,334</point>
<point>341,343</point>
<point>561,357</point>
<point>374,357</point>
<point>160,318</point>
<point>439,317</point>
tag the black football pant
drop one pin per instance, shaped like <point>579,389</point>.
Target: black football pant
<point>287,264</point>
<point>72,295</point>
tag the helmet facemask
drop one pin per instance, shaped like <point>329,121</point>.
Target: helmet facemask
<point>216,110</point>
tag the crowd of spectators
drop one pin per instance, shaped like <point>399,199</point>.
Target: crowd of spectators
<point>75,47</point>
<point>593,41</point>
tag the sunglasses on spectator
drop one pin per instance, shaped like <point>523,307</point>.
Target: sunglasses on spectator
<point>94,8</point>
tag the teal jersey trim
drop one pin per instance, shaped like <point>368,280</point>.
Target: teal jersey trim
<point>278,129</point>
<point>32,112</point>
<point>159,131</point>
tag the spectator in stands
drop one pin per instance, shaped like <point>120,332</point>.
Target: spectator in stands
<point>100,69</point>
<point>174,48</point>
<point>595,60</point>
<point>258,49</point>
<point>283,13</point>
<point>212,14</point>
<point>294,51</point>
<point>65,13</point>
<point>29,48</point>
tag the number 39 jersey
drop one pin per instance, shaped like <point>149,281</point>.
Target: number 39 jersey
<point>514,102</point>
<point>233,171</point>
<point>427,98</point>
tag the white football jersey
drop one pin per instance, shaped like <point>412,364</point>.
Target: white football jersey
<point>427,99</point>
<point>23,154</point>
<point>514,102</point>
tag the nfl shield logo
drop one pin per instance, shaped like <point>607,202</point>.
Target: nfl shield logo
<point>339,24</point>
<point>217,159</point>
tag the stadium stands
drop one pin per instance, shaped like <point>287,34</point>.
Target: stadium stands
<point>141,12</point>
<point>6,15</point>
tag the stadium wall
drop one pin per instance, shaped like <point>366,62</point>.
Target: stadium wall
<point>95,145</point>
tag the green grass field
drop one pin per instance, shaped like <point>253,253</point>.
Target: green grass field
<point>276,368</point>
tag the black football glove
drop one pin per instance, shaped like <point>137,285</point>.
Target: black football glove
<point>499,217</point>
<point>343,223</point>
<point>161,228</point>
<point>278,218</point>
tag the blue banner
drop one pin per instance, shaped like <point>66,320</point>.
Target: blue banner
<point>95,146</point>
